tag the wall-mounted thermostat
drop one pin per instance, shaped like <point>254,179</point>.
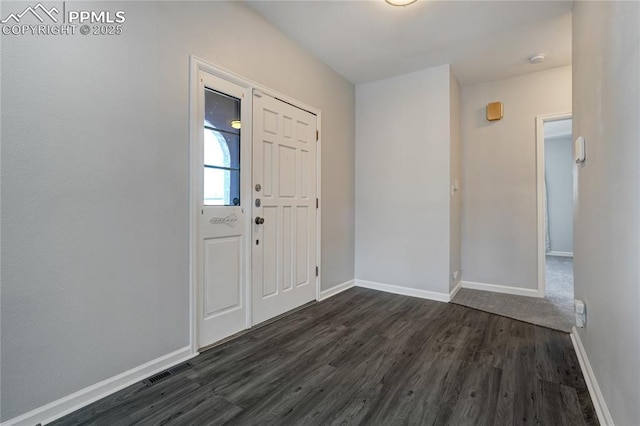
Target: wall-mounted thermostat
<point>495,111</point>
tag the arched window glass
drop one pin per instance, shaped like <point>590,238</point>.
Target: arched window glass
<point>216,180</point>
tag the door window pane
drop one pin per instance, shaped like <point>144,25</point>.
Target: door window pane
<point>221,187</point>
<point>221,149</point>
<point>220,111</point>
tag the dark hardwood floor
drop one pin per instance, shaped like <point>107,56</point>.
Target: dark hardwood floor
<point>369,358</point>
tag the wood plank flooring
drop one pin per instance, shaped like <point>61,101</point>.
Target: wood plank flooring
<point>368,358</point>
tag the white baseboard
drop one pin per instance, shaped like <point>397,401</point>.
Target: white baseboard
<point>501,289</point>
<point>70,403</point>
<point>560,253</point>
<point>404,291</point>
<point>325,294</point>
<point>455,290</point>
<point>604,416</point>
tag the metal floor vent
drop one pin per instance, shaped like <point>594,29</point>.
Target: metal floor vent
<point>166,374</point>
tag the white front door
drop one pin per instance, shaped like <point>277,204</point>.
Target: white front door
<point>284,207</point>
<point>223,173</point>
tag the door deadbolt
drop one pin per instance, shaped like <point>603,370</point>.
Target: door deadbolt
<point>259,220</point>
<point>258,202</point>
<point>258,187</point>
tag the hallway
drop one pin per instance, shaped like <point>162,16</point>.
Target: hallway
<point>555,311</point>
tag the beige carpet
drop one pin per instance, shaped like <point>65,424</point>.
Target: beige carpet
<point>554,311</point>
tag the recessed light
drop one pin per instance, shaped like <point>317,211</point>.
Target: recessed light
<point>536,59</point>
<point>400,2</point>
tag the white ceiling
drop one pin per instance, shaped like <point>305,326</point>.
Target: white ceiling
<point>483,40</point>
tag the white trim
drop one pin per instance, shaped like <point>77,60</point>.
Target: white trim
<point>455,290</point>
<point>325,294</point>
<point>194,68</point>
<point>404,291</point>
<point>560,253</point>
<point>600,405</point>
<point>504,289</point>
<point>540,120</point>
<point>70,403</point>
<point>319,209</point>
<point>198,64</point>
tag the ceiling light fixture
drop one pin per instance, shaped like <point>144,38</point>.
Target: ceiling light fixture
<point>400,2</point>
<point>536,59</point>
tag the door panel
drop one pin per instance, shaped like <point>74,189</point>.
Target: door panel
<point>304,174</point>
<point>270,252</point>
<point>284,180</point>
<point>302,245</point>
<point>287,248</point>
<point>287,171</point>
<point>222,278</point>
<point>267,159</point>
<point>223,174</point>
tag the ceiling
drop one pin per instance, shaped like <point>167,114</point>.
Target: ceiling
<point>371,40</point>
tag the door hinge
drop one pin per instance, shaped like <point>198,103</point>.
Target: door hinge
<point>317,135</point>
<point>317,271</point>
<point>317,203</point>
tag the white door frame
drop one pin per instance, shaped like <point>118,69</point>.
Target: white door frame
<point>540,120</point>
<point>196,65</point>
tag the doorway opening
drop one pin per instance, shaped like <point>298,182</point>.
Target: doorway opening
<point>555,213</point>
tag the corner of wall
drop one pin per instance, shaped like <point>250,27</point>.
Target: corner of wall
<point>455,182</point>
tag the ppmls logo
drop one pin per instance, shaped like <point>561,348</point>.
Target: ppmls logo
<point>43,20</point>
<point>16,17</point>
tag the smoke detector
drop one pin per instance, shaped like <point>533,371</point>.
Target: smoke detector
<point>536,59</point>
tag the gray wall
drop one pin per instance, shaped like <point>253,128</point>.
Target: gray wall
<point>499,238</point>
<point>95,272</point>
<point>558,163</point>
<point>606,107</point>
<point>455,232</point>
<point>402,180</point>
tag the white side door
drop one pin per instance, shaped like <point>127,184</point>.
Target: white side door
<point>223,167</point>
<point>284,227</point>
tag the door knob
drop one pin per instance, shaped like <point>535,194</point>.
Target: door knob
<point>259,220</point>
